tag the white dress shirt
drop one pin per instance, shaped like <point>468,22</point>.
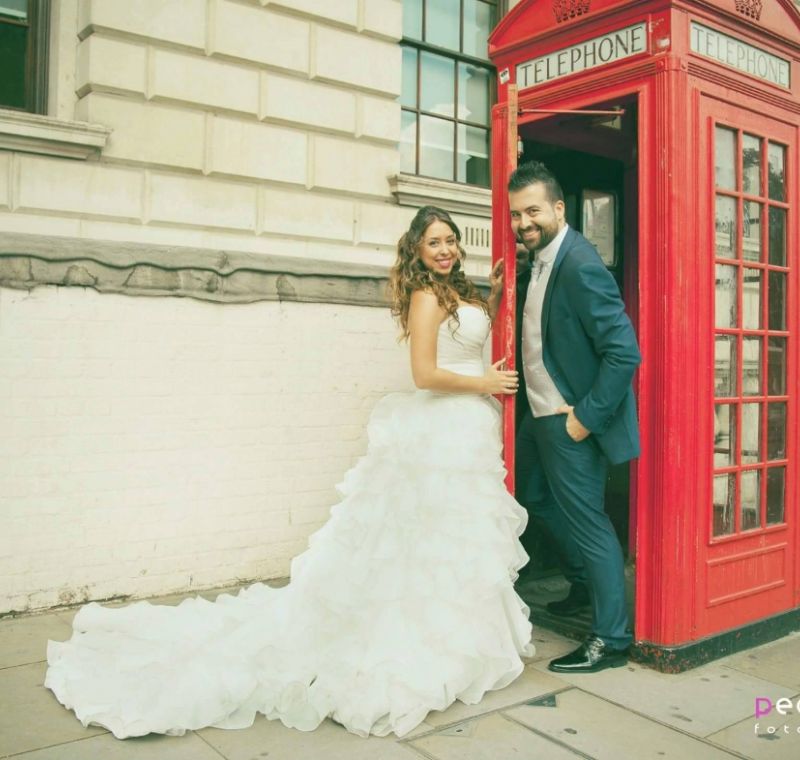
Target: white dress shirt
<point>543,396</point>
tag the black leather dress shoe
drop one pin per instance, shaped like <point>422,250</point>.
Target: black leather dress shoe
<point>575,601</point>
<point>593,655</point>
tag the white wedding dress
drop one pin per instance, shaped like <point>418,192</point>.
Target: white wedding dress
<point>402,603</point>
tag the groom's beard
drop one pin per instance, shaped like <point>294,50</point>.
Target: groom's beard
<point>545,238</point>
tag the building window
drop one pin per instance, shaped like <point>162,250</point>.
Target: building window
<point>448,86</point>
<point>23,54</point>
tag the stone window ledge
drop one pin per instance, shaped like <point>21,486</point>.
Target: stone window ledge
<point>32,133</point>
<point>411,190</point>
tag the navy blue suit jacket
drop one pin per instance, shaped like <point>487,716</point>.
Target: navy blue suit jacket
<point>589,346</point>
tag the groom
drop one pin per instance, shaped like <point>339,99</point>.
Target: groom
<point>578,352</point>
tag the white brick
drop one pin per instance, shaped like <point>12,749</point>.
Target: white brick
<point>187,482</point>
<point>79,187</point>
<point>146,132</point>
<point>110,63</point>
<point>201,201</point>
<point>252,149</point>
<point>317,105</point>
<point>258,34</point>
<point>179,21</point>
<point>286,213</point>
<point>353,166</point>
<point>343,11</point>
<point>198,80</point>
<point>384,17</point>
<point>379,118</point>
<point>5,179</point>
<point>371,64</point>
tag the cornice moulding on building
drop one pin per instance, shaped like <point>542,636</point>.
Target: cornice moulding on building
<point>32,133</point>
<point>136,269</point>
<point>411,190</point>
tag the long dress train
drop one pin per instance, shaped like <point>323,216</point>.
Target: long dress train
<point>402,603</point>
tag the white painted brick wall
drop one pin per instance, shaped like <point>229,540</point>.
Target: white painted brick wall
<point>158,445</point>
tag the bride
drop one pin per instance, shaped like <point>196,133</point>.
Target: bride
<point>404,600</point>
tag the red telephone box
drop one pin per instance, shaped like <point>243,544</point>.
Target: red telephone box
<point>673,127</point>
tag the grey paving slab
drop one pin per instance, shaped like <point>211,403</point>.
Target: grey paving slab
<point>24,640</point>
<point>531,683</point>
<point>188,747</point>
<point>271,740</point>
<point>778,662</point>
<point>30,716</point>
<point>700,701</point>
<point>550,645</point>
<point>605,731</point>
<point>772,737</point>
<point>492,737</point>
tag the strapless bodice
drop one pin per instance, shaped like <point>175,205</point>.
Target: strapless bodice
<point>459,346</point>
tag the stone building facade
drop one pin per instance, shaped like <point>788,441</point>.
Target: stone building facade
<point>194,240</point>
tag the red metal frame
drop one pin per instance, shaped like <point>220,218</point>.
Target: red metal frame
<point>688,585</point>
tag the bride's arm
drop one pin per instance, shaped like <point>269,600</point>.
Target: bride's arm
<point>424,317</point>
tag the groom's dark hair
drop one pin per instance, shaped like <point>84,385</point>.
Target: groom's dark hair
<point>531,173</point>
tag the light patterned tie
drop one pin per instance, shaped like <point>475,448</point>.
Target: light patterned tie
<point>536,271</point>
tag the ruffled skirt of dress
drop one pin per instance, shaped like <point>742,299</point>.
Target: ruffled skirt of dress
<point>402,603</point>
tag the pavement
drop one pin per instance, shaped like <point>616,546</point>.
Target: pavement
<point>627,713</point>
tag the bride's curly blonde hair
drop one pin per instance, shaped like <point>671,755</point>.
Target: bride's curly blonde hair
<point>409,273</point>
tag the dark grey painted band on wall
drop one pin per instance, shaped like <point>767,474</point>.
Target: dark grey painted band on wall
<point>135,269</point>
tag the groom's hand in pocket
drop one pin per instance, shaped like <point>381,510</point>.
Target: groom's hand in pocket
<point>575,429</point>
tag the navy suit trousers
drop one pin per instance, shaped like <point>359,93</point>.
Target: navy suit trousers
<point>562,484</point>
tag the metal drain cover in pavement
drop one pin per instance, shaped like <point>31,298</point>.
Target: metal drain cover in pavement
<point>547,701</point>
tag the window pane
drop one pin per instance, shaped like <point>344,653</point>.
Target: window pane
<point>724,366</point>
<point>777,236</point>
<point>16,9</point>
<point>478,22</point>
<point>776,494</point>
<point>751,299</point>
<point>724,154</point>
<point>438,84</point>
<point>750,516</point>
<point>724,435</point>
<point>442,22</point>
<point>751,367</point>
<point>751,164</point>
<point>408,94</point>
<point>473,155</point>
<point>13,48</point>
<point>776,376</point>
<point>751,433</point>
<point>724,499</point>
<point>777,301</point>
<point>408,142</point>
<point>751,231</point>
<point>473,94</point>
<point>777,172</point>
<point>776,431</point>
<point>412,19</point>
<point>437,147</point>
<point>725,301</point>
<point>725,228</point>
